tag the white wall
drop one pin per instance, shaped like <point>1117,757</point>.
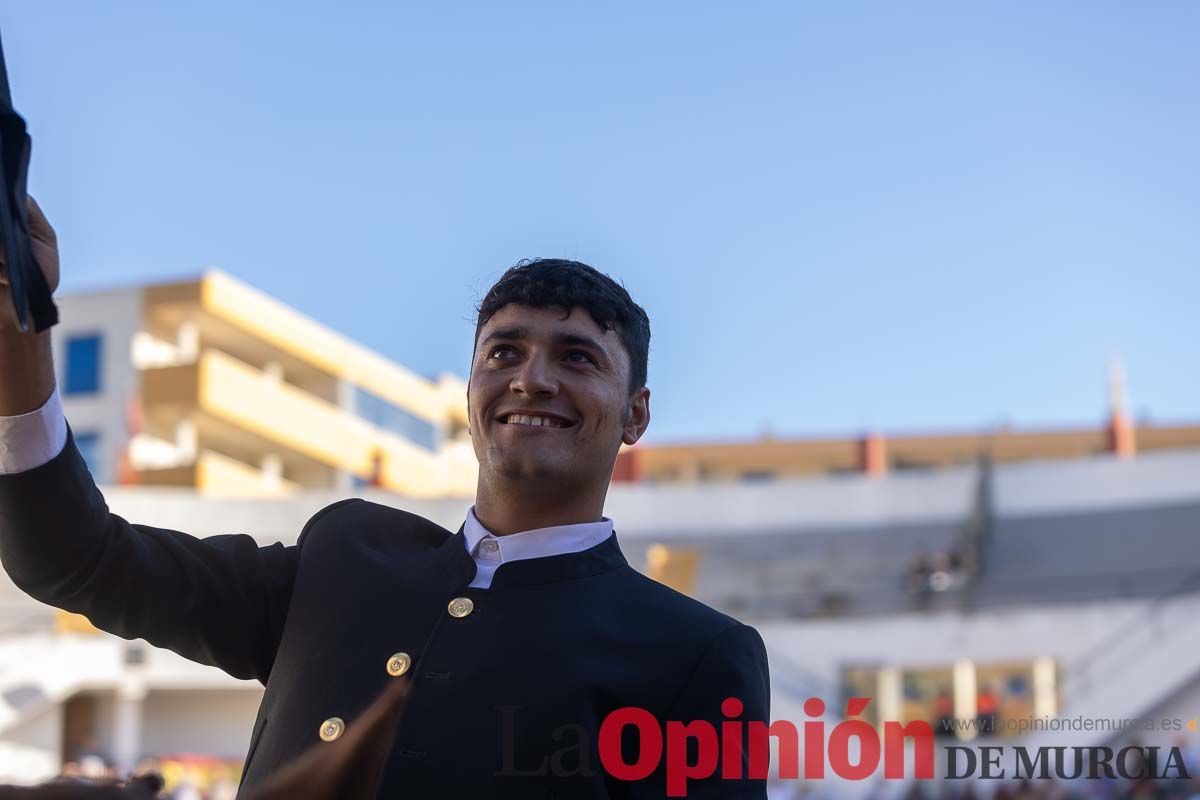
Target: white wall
<point>1063,632</point>
<point>213,722</point>
<point>30,752</point>
<point>1100,483</point>
<point>116,315</point>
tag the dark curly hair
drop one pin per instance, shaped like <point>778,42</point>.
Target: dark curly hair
<point>558,283</point>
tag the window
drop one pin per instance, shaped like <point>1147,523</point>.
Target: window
<point>374,409</point>
<point>911,465</point>
<point>88,443</point>
<point>83,365</point>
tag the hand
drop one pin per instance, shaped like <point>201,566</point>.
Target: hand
<point>45,251</point>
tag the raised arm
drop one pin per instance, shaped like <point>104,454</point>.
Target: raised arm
<point>220,600</point>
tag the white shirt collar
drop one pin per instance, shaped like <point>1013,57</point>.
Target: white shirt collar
<point>490,551</point>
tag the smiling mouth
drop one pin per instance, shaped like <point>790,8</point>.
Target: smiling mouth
<point>522,429</point>
<point>536,422</point>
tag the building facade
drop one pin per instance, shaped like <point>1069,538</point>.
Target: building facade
<point>213,385</point>
<point>770,458</point>
<point>1084,602</point>
<point>1035,574</point>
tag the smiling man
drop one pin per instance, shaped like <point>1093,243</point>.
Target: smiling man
<point>520,633</point>
<point>551,398</point>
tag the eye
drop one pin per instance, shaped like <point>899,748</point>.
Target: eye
<point>582,353</point>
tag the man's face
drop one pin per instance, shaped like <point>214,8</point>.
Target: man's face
<point>531,360</point>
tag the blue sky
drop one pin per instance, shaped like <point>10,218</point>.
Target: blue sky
<point>935,216</point>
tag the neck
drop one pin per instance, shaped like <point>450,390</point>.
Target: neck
<point>505,513</point>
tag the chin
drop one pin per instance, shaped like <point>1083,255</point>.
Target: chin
<point>524,469</point>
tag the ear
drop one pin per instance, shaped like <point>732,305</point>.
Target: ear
<point>637,416</point>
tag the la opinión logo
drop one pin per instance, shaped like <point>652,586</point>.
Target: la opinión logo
<point>737,745</point>
<point>723,750</point>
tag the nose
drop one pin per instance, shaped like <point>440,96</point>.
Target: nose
<point>534,378</point>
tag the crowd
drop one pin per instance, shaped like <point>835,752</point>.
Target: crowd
<point>931,573</point>
<point>1048,789</point>
<point>1098,789</point>
<point>183,778</point>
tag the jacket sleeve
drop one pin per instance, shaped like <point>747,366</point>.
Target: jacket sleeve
<point>220,600</point>
<point>734,665</point>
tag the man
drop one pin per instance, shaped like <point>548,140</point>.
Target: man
<point>520,633</point>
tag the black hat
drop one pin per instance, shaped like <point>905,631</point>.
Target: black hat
<point>31,293</point>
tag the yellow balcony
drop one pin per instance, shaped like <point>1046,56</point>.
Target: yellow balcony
<point>221,476</point>
<point>241,398</point>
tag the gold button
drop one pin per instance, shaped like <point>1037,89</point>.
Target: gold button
<point>461,606</point>
<point>398,664</point>
<point>332,729</point>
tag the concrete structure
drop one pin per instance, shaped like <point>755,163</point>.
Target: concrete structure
<point>213,385</point>
<point>1057,569</point>
<point>1085,600</point>
<point>873,453</point>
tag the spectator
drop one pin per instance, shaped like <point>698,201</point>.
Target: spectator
<point>986,708</point>
<point>917,578</point>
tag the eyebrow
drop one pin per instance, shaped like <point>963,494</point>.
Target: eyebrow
<point>518,333</point>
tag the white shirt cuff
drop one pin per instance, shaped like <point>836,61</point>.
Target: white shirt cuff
<point>31,440</point>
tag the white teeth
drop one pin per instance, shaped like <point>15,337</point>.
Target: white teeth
<point>521,419</point>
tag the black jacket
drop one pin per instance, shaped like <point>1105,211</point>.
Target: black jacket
<point>506,700</point>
